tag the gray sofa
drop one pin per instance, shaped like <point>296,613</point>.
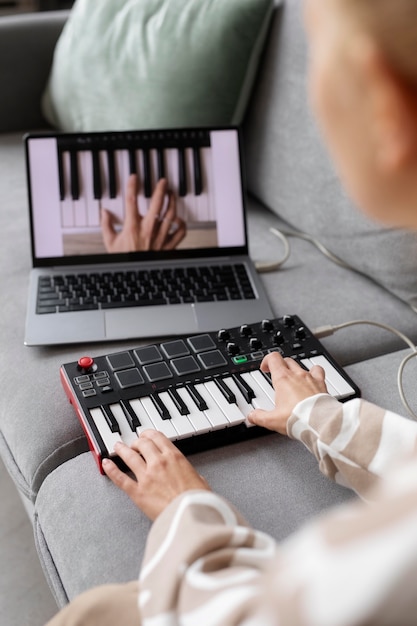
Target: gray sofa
<point>86,531</point>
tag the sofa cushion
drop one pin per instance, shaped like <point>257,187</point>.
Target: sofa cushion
<point>155,63</point>
<point>89,533</point>
<point>289,169</point>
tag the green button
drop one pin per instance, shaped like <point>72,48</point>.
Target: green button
<point>239,359</point>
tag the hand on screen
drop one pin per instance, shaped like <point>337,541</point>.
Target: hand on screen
<point>159,229</point>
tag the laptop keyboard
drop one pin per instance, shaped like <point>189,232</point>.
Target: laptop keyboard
<point>109,290</point>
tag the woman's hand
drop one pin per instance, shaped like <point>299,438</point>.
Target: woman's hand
<point>292,384</point>
<point>159,229</point>
<point>161,471</point>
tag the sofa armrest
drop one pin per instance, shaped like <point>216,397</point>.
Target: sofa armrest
<point>27,43</point>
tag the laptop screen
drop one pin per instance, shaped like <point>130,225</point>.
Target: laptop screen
<point>96,196</point>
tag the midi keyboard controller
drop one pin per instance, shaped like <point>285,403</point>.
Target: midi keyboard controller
<point>197,389</point>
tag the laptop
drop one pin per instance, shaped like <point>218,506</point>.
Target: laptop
<point>191,273</point>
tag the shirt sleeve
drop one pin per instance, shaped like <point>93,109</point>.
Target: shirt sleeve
<point>356,442</point>
<point>204,565</point>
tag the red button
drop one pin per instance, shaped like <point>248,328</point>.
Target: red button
<point>85,362</point>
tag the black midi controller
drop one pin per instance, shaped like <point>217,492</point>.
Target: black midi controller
<point>197,389</point>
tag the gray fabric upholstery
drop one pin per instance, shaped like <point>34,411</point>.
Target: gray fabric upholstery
<point>83,521</point>
<point>289,169</point>
<point>86,531</point>
<point>26,44</point>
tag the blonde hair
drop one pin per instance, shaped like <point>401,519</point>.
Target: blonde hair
<point>394,25</point>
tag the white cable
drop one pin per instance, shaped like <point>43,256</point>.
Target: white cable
<point>314,241</point>
<point>275,265</point>
<point>326,331</point>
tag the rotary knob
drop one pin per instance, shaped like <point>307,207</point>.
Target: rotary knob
<point>223,335</point>
<point>288,321</point>
<point>267,326</point>
<point>232,348</point>
<point>300,332</point>
<point>279,338</point>
<point>255,343</point>
<point>245,330</point>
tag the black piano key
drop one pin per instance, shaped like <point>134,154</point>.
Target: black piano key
<point>147,183</point>
<point>160,406</point>
<point>75,179</point>
<point>97,188</point>
<point>161,163</point>
<point>182,173</point>
<point>197,398</point>
<point>132,161</point>
<point>132,418</point>
<point>112,174</point>
<point>178,401</point>
<point>228,393</point>
<point>61,178</point>
<point>110,419</point>
<point>198,179</point>
<point>246,391</point>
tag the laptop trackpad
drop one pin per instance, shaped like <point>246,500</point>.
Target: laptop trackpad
<point>150,321</point>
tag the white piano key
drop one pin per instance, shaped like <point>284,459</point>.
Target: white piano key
<point>264,384</point>
<point>126,433</point>
<point>143,202</point>
<point>206,210</point>
<point>109,438</point>
<point>93,205</point>
<point>214,414</point>
<point>232,412</point>
<point>80,207</point>
<point>197,418</point>
<point>145,421</point>
<point>67,209</point>
<point>261,400</point>
<point>342,387</point>
<point>201,201</point>
<point>243,406</point>
<point>190,199</point>
<point>171,166</point>
<point>164,426</point>
<point>330,388</point>
<point>180,422</point>
<point>114,205</point>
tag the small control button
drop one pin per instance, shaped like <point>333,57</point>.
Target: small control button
<point>82,379</point>
<point>85,362</point>
<point>240,359</point>
<point>257,355</point>
<point>245,330</point>
<point>89,392</point>
<point>86,386</point>
<point>102,382</point>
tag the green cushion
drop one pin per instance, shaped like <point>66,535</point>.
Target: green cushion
<point>123,64</point>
